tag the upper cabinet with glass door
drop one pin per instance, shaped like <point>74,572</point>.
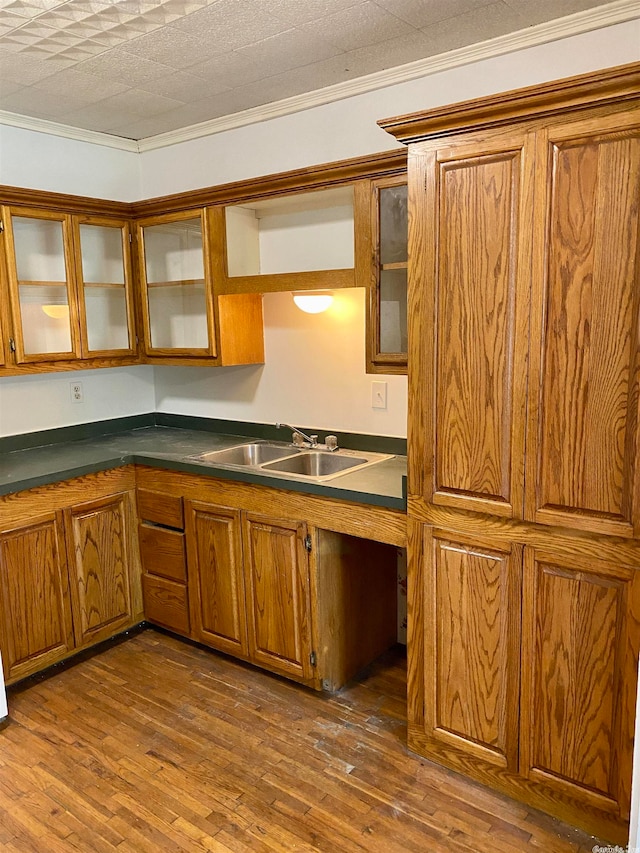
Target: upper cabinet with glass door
<point>69,287</point>
<point>182,315</point>
<point>387,310</point>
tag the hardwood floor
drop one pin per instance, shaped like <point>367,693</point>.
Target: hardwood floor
<point>157,746</point>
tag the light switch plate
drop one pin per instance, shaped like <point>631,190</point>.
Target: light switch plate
<point>378,395</point>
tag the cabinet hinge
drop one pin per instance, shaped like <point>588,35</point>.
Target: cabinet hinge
<point>1,226</point>
<point>307,542</point>
<point>130,238</point>
<point>12,345</point>
<point>313,659</point>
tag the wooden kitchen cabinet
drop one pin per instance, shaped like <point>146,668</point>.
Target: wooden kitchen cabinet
<point>183,316</point>
<point>278,595</point>
<point>387,326</point>
<point>99,541</point>
<point>524,395</point>
<point>70,286</point>
<point>249,587</point>
<point>36,626</point>
<point>581,637</point>
<point>217,583</point>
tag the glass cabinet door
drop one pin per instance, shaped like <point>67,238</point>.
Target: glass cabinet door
<point>388,303</point>
<point>104,281</point>
<point>174,274</point>
<point>39,265</point>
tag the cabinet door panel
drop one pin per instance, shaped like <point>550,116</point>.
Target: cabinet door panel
<point>35,612</point>
<point>580,655</point>
<point>472,662</point>
<point>588,367</point>
<point>216,586</point>
<point>278,597</point>
<point>98,534</point>
<point>469,306</point>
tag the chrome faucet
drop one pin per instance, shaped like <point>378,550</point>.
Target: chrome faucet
<point>301,439</point>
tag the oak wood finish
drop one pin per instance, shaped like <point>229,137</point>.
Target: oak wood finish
<point>583,425</point>
<point>355,595</point>
<point>160,508</point>
<point>278,595</point>
<point>378,361</point>
<point>472,645</point>
<point>370,522</point>
<point>36,627</point>
<point>98,534</point>
<point>581,640</point>
<point>557,98</point>
<point>166,603</point>
<point>216,577</point>
<point>523,305</point>
<point>158,745</point>
<point>162,552</point>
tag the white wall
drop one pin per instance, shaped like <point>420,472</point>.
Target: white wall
<point>46,162</point>
<point>43,400</point>
<point>313,375</point>
<point>348,128</point>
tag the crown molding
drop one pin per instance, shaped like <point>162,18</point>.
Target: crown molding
<point>617,12</point>
<point>53,128</point>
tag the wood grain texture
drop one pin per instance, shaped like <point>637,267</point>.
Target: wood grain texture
<point>588,418</point>
<point>581,644</point>
<point>36,626</point>
<point>355,606</point>
<point>162,552</point>
<point>98,541</point>
<point>370,522</point>
<point>284,281</point>
<point>240,329</point>
<point>559,97</point>
<point>160,508</point>
<point>278,595</point>
<point>166,603</point>
<point>473,658</point>
<point>216,578</point>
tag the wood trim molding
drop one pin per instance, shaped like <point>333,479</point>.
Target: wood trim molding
<point>308,178</point>
<point>18,196</point>
<point>596,89</point>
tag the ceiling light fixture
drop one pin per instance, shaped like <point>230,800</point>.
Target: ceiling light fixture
<point>313,301</point>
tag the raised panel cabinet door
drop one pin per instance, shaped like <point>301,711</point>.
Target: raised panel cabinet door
<point>469,256</point>
<point>216,582</point>
<point>581,636</point>
<point>583,423</point>
<point>98,534</point>
<point>278,595</point>
<point>36,627</point>
<point>472,646</point>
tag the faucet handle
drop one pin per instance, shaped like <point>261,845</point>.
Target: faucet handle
<point>297,439</point>
<point>332,442</point>
<point>314,440</point>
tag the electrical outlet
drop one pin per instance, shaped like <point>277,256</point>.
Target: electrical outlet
<point>378,395</point>
<point>77,394</point>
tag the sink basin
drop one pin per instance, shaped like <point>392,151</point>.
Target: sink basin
<point>316,464</point>
<point>251,454</point>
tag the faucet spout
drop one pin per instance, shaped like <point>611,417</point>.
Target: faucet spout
<point>312,439</point>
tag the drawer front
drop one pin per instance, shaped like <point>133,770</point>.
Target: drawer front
<point>162,552</point>
<point>160,509</point>
<point>165,603</point>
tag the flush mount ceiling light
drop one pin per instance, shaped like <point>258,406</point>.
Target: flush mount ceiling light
<point>58,312</point>
<point>313,301</point>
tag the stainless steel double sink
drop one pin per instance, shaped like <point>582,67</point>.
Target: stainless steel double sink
<point>282,459</point>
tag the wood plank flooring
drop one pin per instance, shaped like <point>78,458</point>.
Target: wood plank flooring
<point>157,746</point>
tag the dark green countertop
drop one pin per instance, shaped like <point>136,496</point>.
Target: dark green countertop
<point>170,447</point>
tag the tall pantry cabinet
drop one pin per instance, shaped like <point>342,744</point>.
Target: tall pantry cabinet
<point>524,488</point>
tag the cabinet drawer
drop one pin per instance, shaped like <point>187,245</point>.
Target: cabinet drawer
<point>160,509</point>
<point>162,552</point>
<point>165,603</point>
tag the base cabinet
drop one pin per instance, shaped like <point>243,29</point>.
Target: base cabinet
<point>526,666</point>
<point>68,578</point>
<point>250,582</point>
<point>36,625</point>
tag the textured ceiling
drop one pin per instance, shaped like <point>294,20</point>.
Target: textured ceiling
<point>137,68</point>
